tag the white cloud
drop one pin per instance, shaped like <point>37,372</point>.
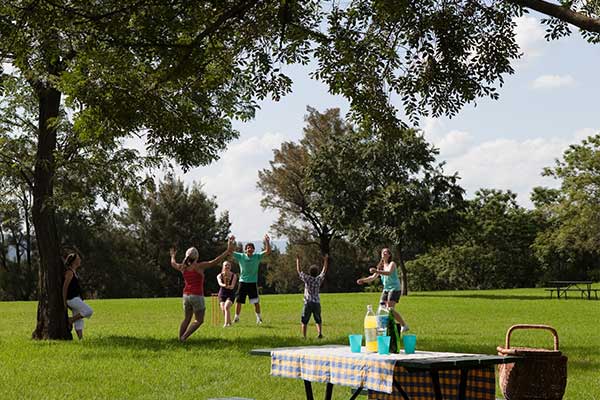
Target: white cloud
<point>449,143</point>
<point>233,179</point>
<point>453,143</point>
<point>553,81</point>
<point>432,129</point>
<point>529,37</point>
<point>509,164</point>
<point>584,133</point>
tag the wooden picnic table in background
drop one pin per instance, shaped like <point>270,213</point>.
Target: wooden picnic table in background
<point>562,288</point>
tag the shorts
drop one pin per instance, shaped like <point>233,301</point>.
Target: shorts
<point>77,306</point>
<point>392,295</point>
<point>311,308</point>
<point>226,294</point>
<point>249,289</point>
<point>193,302</point>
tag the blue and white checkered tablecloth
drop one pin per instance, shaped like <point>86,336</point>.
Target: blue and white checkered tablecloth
<point>339,366</point>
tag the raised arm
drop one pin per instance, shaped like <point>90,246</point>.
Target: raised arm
<point>298,264</point>
<point>382,271</point>
<point>220,257</point>
<point>325,264</point>
<point>267,241</point>
<point>370,278</point>
<point>174,264</point>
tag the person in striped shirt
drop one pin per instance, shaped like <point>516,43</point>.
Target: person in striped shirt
<point>312,287</point>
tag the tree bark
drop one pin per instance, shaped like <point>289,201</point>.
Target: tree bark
<point>563,13</point>
<point>3,249</point>
<point>324,244</point>
<point>404,274</point>
<point>51,313</point>
<point>27,219</point>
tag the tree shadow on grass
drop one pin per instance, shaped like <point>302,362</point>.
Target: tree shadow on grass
<point>154,344</point>
<point>483,296</point>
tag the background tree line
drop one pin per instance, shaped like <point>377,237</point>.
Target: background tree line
<point>373,189</point>
<point>339,193</point>
<point>78,78</point>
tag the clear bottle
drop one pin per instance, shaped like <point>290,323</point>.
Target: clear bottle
<point>370,330</point>
<point>382,319</point>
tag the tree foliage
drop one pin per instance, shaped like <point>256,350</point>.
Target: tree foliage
<point>172,215</point>
<point>385,188</point>
<point>569,245</point>
<point>178,72</point>
<point>492,249</point>
<point>285,188</point>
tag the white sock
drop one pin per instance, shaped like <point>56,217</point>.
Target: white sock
<point>258,315</point>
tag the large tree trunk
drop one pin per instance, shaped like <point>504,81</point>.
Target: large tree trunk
<point>404,274</point>
<point>324,244</point>
<point>51,313</point>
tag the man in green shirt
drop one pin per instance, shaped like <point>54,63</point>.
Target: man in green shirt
<point>249,262</point>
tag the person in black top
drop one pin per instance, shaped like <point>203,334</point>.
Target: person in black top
<point>72,294</point>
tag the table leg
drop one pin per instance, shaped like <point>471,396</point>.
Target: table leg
<point>462,388</point>
<point>356,393</point>
<point>328,391</point>
<point>308,390</point>
<point>400,390</point>
<point>435,378</point>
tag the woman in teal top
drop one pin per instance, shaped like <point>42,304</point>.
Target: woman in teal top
<point>392,289</point>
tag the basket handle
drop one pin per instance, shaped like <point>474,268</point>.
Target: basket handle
<point>529,326</point>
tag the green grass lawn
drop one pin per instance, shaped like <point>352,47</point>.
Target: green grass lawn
<point>131,348</point>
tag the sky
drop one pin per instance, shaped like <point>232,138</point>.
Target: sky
<point>550,102</point>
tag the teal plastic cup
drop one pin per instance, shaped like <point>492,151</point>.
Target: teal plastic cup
<point>355,343</point>
<point>383,344</point>
<point>410,343</point>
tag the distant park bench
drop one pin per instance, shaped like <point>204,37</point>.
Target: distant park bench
<point>562,288</point>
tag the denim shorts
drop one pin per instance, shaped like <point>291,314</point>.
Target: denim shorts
<point>392,295</point>
<point>193,302</point>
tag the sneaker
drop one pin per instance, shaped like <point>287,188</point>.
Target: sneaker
<point>320,336</point>
<point>404,328</point>
<point>236,319</point>
<point>259,320</point>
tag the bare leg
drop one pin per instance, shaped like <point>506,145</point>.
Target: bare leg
<point>227,311</point>
<point>397,316</point>
<point>304,330</point>
<point>75,318</point>
<point>194,325</point>
<point>257,308</point>
<point>238,309</point>
<point>320,330</point>
<point>184,324</point>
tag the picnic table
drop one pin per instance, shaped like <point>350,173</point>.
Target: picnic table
<point>562,288</point>
<point>419,376</point>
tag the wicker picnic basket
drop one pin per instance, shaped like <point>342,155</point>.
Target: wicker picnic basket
<point>541,374</point>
